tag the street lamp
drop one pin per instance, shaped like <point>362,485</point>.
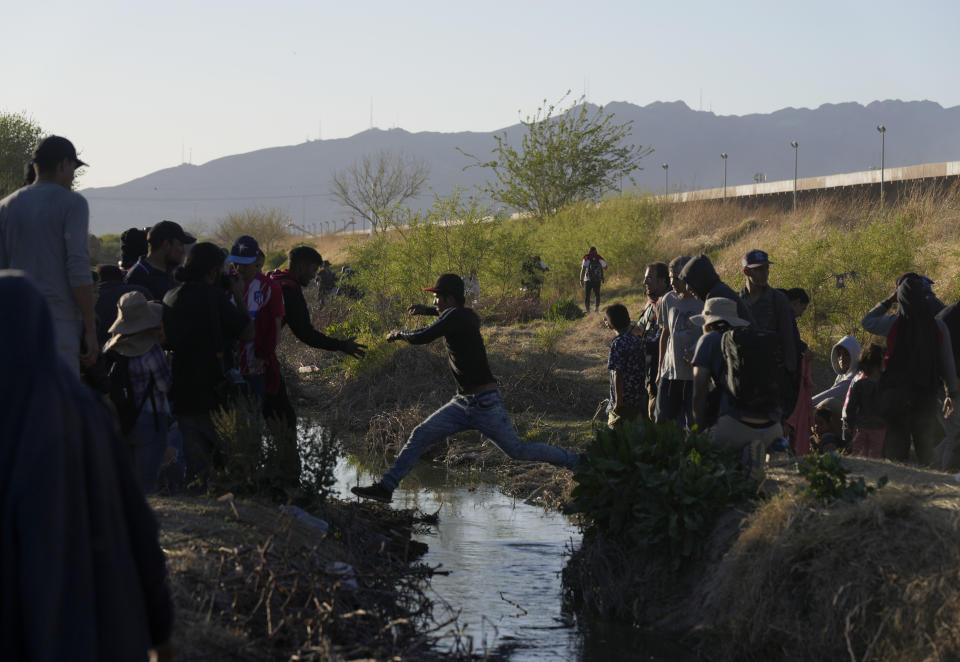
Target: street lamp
<point>794,144</point>
<point>723,155</point>
<point>666,178</point>
<point>883,136</point>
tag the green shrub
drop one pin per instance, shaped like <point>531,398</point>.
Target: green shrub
<point>867,256</point>
<point>656,488</point>
<point>461,237</point>
<point>565,309</point>
<point>828,481</point>
<point>549,334</point>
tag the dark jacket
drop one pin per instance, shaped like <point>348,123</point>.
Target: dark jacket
<point>703,281</point>
<point>773,312</point>
<point>297,315</point>
<point>82,576</point>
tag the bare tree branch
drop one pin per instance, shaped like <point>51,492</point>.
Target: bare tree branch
<point>375,186</point>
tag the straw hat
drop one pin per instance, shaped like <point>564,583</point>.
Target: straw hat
<point>137,318</point>
<point>719,309</point>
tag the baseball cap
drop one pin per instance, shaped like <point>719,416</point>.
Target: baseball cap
<point>54,149</point>
<point>165,230</point>
<point>756,258</point>
<point>914,275</point>
<point>447,284</point>
<point>244,250</point>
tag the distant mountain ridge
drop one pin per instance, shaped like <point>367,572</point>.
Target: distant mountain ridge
<point>833,138</point>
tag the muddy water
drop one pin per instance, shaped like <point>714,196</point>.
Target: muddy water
<point>504,559</point>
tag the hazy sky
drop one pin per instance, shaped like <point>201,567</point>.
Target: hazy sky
<point>140,85</point>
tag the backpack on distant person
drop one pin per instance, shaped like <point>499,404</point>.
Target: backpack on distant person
<point>121,391</point>
<point>752,378</point>
<point>595,270</point>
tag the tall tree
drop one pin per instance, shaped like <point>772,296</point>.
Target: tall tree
<point>565,156</point>
<point>19,136</point>
<point>376,185</point>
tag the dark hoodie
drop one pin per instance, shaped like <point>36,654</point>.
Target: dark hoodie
<point>703,281</point>
<point>82,576</point>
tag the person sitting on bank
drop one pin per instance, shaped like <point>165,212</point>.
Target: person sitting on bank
<point>477,405</point>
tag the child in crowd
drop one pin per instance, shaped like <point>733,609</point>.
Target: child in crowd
<point>863,427</point>
<point>136,356</point>
<point>843,358</point>
<point>628,395</point>
<point>826,436</point>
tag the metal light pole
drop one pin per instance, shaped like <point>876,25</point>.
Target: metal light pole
<point>723,155</point>
<point>883,137</point>
<point>666,179</point>
<point>794,144</point>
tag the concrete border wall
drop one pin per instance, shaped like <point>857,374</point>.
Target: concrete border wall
<point>895,177</point>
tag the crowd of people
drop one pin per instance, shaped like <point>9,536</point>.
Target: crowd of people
<point>180,328</point>
<point>733,364</point>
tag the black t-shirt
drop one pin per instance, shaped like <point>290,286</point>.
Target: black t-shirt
<point>200,323</point>
<point>297,317</point>
<point>460,329</point>
<point>149,277</point>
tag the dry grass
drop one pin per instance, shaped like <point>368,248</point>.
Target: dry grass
<point>878,579</point>
<point>728,230</point>
<point>874,580</point>
<point>251,585</point>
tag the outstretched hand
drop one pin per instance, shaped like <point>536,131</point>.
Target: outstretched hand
<point>394,335</point>
<point>418,309</point>
<point>353,348</point>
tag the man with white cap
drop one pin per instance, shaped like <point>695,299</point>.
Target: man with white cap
<point>734,371</point>
<point>139,370</point>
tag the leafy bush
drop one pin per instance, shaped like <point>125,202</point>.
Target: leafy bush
<point>656,488</point>
<point>549,334</point>
<point>461,237</point>
<point>565,309</point>
<point>828,479</point>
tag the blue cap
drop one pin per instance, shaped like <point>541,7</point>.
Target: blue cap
<point>244,250</point>
<point>755,258</point>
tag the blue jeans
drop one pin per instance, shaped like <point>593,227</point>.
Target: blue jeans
<point>675,402</point>
<point>483,412</point>
<point>148,443</point>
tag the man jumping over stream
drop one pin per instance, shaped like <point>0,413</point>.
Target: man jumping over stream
<point>477,405</point>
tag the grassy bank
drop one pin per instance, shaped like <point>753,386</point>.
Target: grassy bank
<point>798,579</point>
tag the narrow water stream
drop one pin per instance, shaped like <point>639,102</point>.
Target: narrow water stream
<point>504,559</point>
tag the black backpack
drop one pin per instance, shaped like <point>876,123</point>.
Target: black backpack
<point>751,361</point>
<point>121,391</point>
<point>595,270</point>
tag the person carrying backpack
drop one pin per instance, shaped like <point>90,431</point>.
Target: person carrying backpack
<point>591,276</point>
<point>733,367</point>
<point>139,382</point>
<point>919,363</point>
